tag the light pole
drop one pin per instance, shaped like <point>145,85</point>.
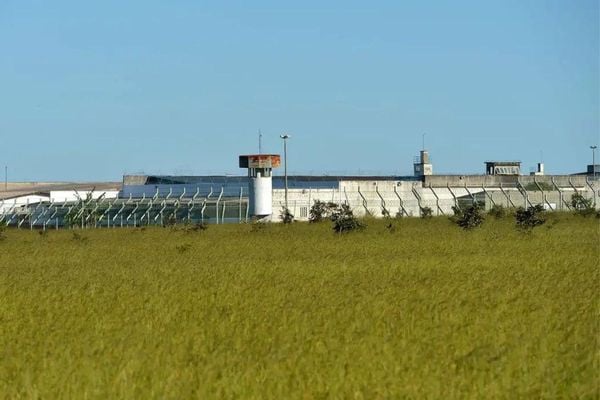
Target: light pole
<point>593,161</point>
<point>285,137</point>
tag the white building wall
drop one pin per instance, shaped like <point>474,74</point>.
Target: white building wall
<point>76,195</point>
<point>11,204</point>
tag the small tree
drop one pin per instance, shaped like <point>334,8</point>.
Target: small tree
<point>471,217</point>
<point>83,214</point>
<point>344,220</point>
<point>286,216</point>
<point>320,211</point>
<point>530,218</point>
<point>426,212</point>
<point>581,205</point>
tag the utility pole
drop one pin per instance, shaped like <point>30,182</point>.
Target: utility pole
<point>594,161</point>
<point>285,137</point>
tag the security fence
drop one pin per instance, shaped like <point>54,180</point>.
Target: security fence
<point>175,204</point>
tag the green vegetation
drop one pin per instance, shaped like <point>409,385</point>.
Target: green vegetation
<point>531,217</point>
<point>582,205</point>
<point>344,220</point>
<point>286,215</point>
<point>403,309</point>
<point>469,218</point>
<point>321,211</point>
<point>426,212</point>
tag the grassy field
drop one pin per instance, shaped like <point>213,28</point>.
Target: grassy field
<point>423,310</point>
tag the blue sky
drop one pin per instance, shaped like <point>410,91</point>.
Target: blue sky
<point>92,90</point>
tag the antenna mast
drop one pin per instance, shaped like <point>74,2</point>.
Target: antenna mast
<point>259,142</point>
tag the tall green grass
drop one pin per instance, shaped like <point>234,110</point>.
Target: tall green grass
<point>421,309</point>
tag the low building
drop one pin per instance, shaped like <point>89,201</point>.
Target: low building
<point>503,167</point>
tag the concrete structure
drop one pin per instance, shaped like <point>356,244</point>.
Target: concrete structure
<point>161,200</point>
<point>396,196</point>
<point>503,168</point>
<point>422,165</point>
<point>260,185</point>
<point>539,171</point>
<point>227,199</point>
<point>17,202</point>
<point>28,188</point>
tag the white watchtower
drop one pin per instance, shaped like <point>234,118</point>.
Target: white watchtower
<point>260,168</point>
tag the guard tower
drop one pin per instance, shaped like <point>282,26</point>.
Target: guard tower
<point>503,167</point>
<point>260,196</point>
<point>422,164</point>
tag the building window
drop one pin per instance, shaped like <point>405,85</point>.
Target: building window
<point>303,212</point>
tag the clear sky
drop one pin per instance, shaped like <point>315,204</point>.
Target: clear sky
<point>92,90</point>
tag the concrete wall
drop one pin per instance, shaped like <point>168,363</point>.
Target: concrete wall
<point>408,197</point>
<point>134,179</point>
<point>567,181</point>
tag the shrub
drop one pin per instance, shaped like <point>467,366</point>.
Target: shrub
<point>321,211</point>
<point>286,216</point>
<point>82,214</point>
<point>344,220</point>
<point>581,205</point>
<point>426,212</point>
<point>530,218</point>
<point>471,217</point>
<point>457,213</point>
<point>498,211</point>
<point>385,213</point>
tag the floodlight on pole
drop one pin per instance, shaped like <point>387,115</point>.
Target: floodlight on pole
<point>285,138</point>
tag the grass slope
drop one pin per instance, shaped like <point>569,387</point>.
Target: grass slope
<point>424,311</point>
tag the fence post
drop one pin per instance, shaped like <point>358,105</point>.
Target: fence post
<point>414,192</point>
<point>401,210</point>
<point>364,202</point>
<point>437,201</point>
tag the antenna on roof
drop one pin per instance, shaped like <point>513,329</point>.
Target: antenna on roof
<point>259,142</point>
<point>424,141</point>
